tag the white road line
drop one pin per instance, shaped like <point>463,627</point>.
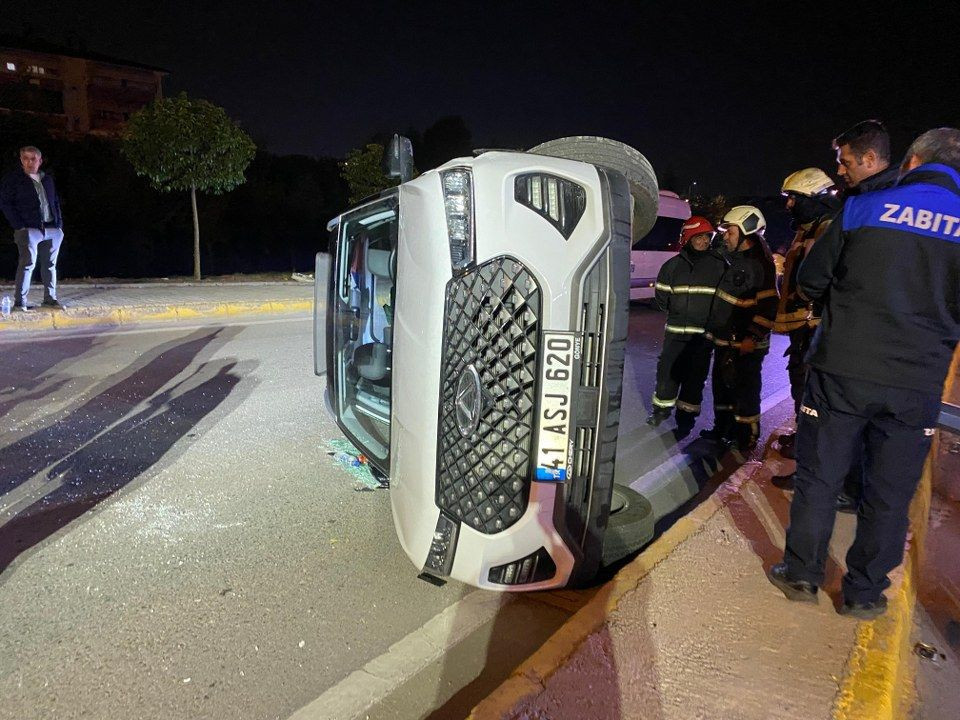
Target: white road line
<point>673,481</point>
<point>48,335</point>
<point>361,690</point>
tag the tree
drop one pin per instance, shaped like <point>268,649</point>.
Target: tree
<point>363,172</point>
<point>184,144</point>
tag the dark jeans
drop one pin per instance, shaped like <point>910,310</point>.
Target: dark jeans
<point>682,372</point>
<point>37,245</point>
<point>841,421</point>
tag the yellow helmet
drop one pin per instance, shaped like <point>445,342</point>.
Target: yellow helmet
<point>808,182</point>
<point>746,217</point>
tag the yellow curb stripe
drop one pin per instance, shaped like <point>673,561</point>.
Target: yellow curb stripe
<point>128,315</point>
<point>529,679</point>
<point>879,674</point>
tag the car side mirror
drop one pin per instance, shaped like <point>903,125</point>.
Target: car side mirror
<point>398,159</point>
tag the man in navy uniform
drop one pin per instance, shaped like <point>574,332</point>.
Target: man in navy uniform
<point>888,272</point>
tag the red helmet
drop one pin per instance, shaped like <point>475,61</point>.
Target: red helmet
<point>696,225</point>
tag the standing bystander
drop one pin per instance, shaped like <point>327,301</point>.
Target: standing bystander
<point>888,271</point>
<point>30,203</point>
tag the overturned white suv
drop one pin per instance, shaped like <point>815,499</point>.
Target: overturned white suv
<point>473,343</point>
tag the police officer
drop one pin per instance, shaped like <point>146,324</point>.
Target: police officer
<point>685,288</point>
<point>887,269</point>
<point>742,316</point>
<point>811,201</point>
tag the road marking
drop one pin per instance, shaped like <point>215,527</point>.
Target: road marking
<point>47,336</point>
<point>361,690</point>
<point>673,482</point>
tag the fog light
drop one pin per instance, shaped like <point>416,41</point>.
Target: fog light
<point>534,568</point>
<point>442,548</point>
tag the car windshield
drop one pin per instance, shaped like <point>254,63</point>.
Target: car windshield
<point>363,334</point>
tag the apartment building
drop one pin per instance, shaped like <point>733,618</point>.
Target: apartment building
<point>74,92</point>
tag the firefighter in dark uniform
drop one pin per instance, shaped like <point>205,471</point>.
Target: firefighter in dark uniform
<point>811,201</point>
<point>742,316</point>
<point>888,271</point>
<point>685,288</point>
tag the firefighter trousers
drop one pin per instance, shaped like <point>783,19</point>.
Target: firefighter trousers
<point>681,374</point>
<point>841,420</point>
<point>736,393</point>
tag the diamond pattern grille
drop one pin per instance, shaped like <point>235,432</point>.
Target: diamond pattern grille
<point>492,322</point>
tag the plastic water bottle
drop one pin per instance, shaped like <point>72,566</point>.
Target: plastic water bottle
<point>5,307</point>
<point>346,458</point>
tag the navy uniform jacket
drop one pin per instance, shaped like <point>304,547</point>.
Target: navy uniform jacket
<point>888,270</point>
<point>21,204</point>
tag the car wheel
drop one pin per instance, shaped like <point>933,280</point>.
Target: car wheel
<point>616,156</point>
<point>630,526</point>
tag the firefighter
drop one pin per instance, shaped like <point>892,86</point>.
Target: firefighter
<point>812,201</point>
<point>685,288</point>
<point>742,315</point>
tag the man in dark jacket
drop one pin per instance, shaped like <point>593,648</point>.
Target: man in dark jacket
<point>685,289</point>
<point>740,321</point>
<point>29,201</point>
<point>863,158</point>
<point>888,270</point>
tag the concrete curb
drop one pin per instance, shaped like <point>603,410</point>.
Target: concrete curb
<point>529,679</point>
<point>879,677</point>
<point>127,315</point>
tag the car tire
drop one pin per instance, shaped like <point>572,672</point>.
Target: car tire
<point>618,156</point>
<point>630,526</point>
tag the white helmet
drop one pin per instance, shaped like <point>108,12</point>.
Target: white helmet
<point>808,182</point>
<point>746,217</point>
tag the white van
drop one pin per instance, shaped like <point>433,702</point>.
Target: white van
<point>658,246</point>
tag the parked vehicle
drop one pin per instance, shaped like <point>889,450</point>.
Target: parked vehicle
<point>659,245</point>
<point>473,343</point>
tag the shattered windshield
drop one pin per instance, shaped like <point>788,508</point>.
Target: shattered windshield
<point>363,329</point>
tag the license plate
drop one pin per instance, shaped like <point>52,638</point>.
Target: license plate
<point>560,351</point>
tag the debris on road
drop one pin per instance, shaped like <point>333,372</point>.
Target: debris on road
<point>355,464</point>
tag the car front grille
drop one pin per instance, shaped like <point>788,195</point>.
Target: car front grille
<point>492,327</point>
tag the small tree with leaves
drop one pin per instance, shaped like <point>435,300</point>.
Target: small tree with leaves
<point>185,144</point>
<point>363,173</point>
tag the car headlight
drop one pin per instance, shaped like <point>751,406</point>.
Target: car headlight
<point>560,201</point>
<point>458,205</point>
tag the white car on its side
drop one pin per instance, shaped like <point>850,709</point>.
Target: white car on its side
<point>473,344</point>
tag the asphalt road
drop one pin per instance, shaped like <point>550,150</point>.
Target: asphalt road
<point>175,541</point>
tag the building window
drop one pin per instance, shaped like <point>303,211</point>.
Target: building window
<point>37,69</point>
<point>12,67</point>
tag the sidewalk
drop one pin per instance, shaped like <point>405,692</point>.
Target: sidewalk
<point>692,628</point>
<point>121,303</point>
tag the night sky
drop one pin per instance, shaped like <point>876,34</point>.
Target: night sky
<point>734,98</point>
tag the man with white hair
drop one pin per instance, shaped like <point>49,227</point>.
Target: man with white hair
<point>888,273</point>
<point>30,203</point>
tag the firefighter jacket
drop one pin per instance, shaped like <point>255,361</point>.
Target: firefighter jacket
<point>745,303</point>
<point>888,271</point>
<point>685,289</point>
<point>794,311</point>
